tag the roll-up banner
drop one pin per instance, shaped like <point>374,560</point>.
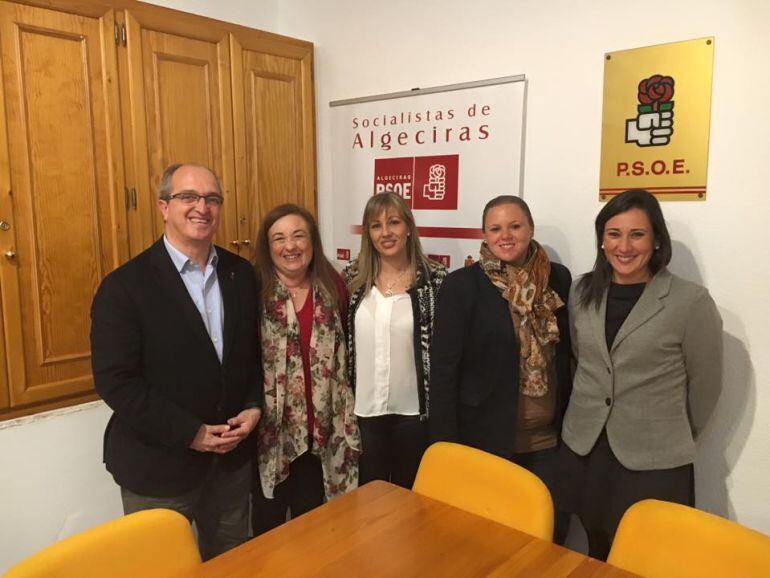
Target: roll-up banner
<point>445,150</point>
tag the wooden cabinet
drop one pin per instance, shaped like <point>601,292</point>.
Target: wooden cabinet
<point>98,97</point>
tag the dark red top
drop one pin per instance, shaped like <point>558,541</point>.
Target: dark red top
<point>305,321</point>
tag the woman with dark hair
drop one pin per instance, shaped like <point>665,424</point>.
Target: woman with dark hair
<point>308,438</point>
<point>645,341</point>
<point>393,289</point>
<point>500,371</point>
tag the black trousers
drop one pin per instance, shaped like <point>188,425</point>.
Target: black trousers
<point>392,447</point>
<point>601,489</point>
<point>302,491</point>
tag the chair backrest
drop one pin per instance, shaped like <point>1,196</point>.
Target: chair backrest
<point>151,544</point>
<point>657,538</point>
<point>486,485</point>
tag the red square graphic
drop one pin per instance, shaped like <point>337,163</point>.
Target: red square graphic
<point>435,182</point>
<point>343,254</point>
<point>394,176</point>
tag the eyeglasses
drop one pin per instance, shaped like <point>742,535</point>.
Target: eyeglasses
<point>188,198</point>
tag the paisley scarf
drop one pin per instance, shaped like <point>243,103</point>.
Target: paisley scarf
<point>531,303</point>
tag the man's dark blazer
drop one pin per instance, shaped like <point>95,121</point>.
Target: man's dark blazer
<point>474,386</point>
<point>154,364</point>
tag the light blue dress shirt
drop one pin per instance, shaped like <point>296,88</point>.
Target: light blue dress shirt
<point>203,287</point>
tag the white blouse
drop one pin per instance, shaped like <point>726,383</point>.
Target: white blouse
<point>386,375</point>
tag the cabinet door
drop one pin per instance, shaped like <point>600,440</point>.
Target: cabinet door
<point>61,192</point>
<point>274,128</point>
<point>181,111</point>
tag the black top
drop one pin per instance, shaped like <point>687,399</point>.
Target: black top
<point>620,301</point>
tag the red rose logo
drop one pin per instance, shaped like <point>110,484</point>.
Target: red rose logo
<point>656,90</point>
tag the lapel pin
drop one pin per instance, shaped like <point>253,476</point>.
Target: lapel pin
<point>232,275</point>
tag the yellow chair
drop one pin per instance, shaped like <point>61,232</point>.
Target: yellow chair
<point>486,485</point>
<point>657,538</point>
<point>148,544</point>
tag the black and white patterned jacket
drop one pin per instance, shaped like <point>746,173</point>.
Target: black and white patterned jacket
<point>423,294</point>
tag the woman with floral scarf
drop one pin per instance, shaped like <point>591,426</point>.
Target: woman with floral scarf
<point>308,436</point>
<point>500,371</point>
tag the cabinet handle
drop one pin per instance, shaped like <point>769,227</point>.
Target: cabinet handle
<point>4,226</point>
<point>246,242</point>
<point>10,254</point>
<point>235,244</point>
<point>133,199</point>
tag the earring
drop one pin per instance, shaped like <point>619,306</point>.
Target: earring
<point>657,246</point>
<point>602,246</point>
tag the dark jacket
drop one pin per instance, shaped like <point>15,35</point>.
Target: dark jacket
<point>155,366</point>
<point>423,294</point>
<point>475,362</point>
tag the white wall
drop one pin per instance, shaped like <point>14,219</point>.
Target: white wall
<point>261,14</point>
<point>52,482</point>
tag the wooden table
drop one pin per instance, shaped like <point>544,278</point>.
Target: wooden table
<point>383,530</point>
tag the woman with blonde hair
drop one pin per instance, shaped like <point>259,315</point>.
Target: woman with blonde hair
<point>393,289</point>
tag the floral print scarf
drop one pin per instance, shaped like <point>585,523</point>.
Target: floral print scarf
<point>283,430</point>
<point>531,303</point>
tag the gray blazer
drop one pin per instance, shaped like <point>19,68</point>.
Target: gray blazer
<point>668,348</point>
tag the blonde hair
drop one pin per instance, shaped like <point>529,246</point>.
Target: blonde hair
<point>368,257</point>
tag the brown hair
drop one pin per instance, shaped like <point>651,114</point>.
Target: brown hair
<point>368,258</point>
<point>322,273</point>
<point>591,287</point>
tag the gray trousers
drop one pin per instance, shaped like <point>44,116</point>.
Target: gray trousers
<point>219,507</point>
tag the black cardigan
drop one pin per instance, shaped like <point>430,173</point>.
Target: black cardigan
<point>423,294</point>
<point>475,365</point>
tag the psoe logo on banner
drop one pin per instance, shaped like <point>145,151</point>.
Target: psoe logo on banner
<point>654,124</point>
<point>425,183</point>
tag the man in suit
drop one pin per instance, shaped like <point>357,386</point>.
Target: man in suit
<point>175,355</point>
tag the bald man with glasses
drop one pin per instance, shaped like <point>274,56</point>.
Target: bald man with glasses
<point>175,355</point>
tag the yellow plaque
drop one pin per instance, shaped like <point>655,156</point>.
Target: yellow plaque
<point>656,120</point>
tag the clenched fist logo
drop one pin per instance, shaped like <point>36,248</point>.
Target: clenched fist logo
<point>654,124</point>
<point>436,187</point>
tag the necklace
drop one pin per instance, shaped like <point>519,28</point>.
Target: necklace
<point>389,288</point>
